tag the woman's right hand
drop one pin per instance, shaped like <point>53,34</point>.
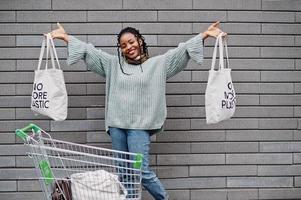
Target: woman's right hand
<point>59,33</point>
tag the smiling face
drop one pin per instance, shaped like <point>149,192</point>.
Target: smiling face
<point>129,46</point>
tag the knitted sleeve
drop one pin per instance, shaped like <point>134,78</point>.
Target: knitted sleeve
<point>177,59</point>
<point>96,60</point>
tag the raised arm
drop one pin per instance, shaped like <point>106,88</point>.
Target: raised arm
<point>96,60</point>
<point>177,59</point>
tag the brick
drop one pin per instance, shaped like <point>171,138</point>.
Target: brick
<point>177,124</point>
<point>73,113</point>
<point>36,41</point>
<point>284,52</point>
<point>287,76</point>
<point>281,5</point>
<point>86,101</point>
<point>172,172</point>
<point>13,125</point>
<point>297,158</point>
<point>256,182</point>
<point>271,88</point>
<point>243,194</point>
<point>190,159</point>
<point>77,125</point>
<point>283,170</point>
<point>261,40</point>
<point>298,64</point>
<point>91,28</point>
<point>237,76</point>
<point>280,147</point>
<point>98,89</point>
<point>262,64</point>
<point>87,5</point>
<point>245,88</point>
<point>194,183</point>
<point>93,113</point>
<point>183,88</point>
<point>7,65</point>
<point>7,90</point>
<point>76,137</point>
<point>24,53</point>
<point>7,114</point>
<point>7,102</point>
<point>25,65</point>
<point>51,16</point>
<point>124,16</point>
<point>24,186</point>
<point>24,161</point>
<point>297,134</point>
<point>231,28</point>
<point>7,161</point>
<point>297,181</point>
<point>278,124</point>
<point>22,195</point>
<point>184,76</point>
<point>208,194</point>
<point>162,28</point>
<point>7,41</point>
<point>189,16</point>
<point>228,124</point>
<point>298,17</point>
<point>157,4</point>
<point>12,174</point>
<point>28,5</point>
<point>223,170</point>
<point>8,186</point>
<point>260,16</point>
<point>174,100</point>
<point>226,4</point>
<point>17,29</point>
<point>191,136</point>
<point>177,194</point>
<point>98,136</point>
<point>297,111</point>
<point>7,138</point>
<point>162,148</point>
<point>172,40</point>
<point>185,112</point>
<point>277,100</point>
<point>281,29</point>
<point>224,147</point>
<point>280,193</point>
<point>259,158</point>
<point>264,112</point>
<point>7,16</point>
<point>258,135</point>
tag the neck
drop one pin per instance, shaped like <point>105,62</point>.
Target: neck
<point>138,60</point>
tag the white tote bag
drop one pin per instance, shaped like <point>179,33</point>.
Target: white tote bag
<point>100,185</point>
<point>49,95</point>
<point>220,98</point>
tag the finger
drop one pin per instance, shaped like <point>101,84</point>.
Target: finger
<point>59,25</point>
<point>216,24</point>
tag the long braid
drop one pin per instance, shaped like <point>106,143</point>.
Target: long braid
<point>137,34</point>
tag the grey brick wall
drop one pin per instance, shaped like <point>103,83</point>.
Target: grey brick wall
<point>255,155</point>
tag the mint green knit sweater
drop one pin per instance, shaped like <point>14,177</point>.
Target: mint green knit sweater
<point>136,101</point>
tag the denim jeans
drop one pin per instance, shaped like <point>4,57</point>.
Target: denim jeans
<point>138,141</point>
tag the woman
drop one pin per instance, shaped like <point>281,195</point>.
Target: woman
<point>135,88</point>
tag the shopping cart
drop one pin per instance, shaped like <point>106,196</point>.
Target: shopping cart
<point>56,160</point>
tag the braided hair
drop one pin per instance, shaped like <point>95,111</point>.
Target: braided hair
<point>138,36</point>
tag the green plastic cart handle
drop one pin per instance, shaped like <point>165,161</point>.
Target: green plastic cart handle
<point>138,161</point>
<point>21,133</point>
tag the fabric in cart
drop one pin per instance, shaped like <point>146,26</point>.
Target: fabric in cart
<point>100,185</point>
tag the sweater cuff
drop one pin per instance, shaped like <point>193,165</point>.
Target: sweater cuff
<point>195,48</point>
<point>76,50</point>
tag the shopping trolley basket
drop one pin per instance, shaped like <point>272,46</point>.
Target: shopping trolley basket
<point>56,160</point>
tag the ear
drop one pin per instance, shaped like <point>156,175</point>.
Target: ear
<point>140,42</point>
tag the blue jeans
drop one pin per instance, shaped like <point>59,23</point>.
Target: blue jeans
<point>138,141</point>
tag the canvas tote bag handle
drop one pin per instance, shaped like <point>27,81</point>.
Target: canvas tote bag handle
<point>50,49</point>
<point>218,45</point>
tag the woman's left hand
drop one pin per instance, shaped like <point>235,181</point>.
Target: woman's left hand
<point>213,31</point>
